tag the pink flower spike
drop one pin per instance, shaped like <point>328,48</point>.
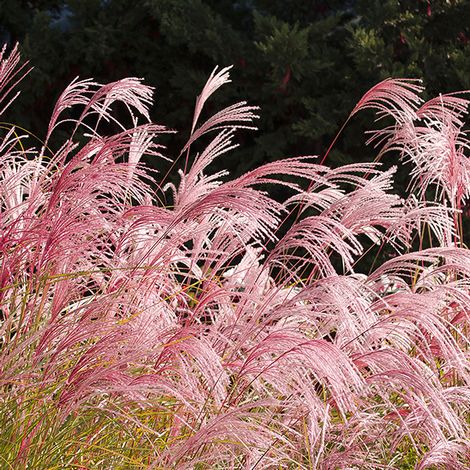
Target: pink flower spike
<point>395,97</point>
<point>9,72</point>
<point>214,82</point>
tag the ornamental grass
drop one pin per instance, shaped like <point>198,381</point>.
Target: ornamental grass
<point>193,321</point>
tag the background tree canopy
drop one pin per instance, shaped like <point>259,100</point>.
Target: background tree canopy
<point>304,63</point>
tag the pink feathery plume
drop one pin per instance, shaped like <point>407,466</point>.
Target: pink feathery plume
<point>395,97</point>
<point>445,108</point>
<point>449,454</point>
<point>229,118</point>
<point>97,99</point>
<point>10,72</point>
<point>214,82</point>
